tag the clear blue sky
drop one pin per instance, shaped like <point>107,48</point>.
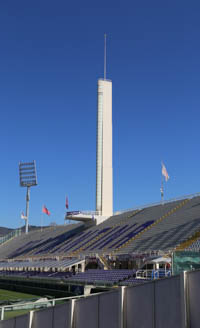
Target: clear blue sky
<point>51,55</point>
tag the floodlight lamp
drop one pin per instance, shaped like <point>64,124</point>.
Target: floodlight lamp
<point>27,174</point>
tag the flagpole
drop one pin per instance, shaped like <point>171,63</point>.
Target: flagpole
<point>162,189</point>
<point>41,220</point>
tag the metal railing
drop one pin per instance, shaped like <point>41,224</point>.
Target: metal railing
<point>39,304</point>
<point>74,213</point>
<point>152,274</point>
<point>10,235</point>
<point>141,207</point>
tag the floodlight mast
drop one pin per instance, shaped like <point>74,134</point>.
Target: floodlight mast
<point>27,208</point>
<point>28,178</point>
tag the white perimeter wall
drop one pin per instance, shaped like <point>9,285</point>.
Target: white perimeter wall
<point>193,292</point>
<point>18,322</point>
<point>100,311</point>
<point>166,303</point>
<point>156,304</point>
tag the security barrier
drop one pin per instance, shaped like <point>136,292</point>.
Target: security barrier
<point>168,302</point>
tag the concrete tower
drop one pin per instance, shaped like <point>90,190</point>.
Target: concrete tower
<point>104,170</point>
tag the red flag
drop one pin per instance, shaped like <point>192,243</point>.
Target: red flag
<point>67,203</point>
<point>45,210</point>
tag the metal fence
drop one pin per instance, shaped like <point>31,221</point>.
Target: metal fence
<point>39,304</point>
<point>158,203</point>
<point>10,235</point>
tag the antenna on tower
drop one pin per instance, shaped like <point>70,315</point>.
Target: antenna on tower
<point>105,56</point>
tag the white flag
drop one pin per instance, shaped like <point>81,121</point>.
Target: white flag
<point>23,216</point>
<point>164,172</point>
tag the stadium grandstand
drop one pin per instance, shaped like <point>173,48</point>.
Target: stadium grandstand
<point>125,240</point>
<point>158,228</point>
<point>130,249</point>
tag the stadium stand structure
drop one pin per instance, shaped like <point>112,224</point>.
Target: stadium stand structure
<point>102,276</point>
<point>161,227</point>
<point>45,265</point>
<point>195,246</point>
<point>126,245</point>
<point>38,242</point>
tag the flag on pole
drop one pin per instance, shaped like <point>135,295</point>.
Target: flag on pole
<point>23,216</point>
<point>45,210</point>
<point>67,203</point>
<point>164,172</point>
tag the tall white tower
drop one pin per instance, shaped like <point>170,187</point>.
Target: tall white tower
<point>104,170</point>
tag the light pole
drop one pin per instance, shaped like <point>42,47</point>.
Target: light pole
<point>28,178</point>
